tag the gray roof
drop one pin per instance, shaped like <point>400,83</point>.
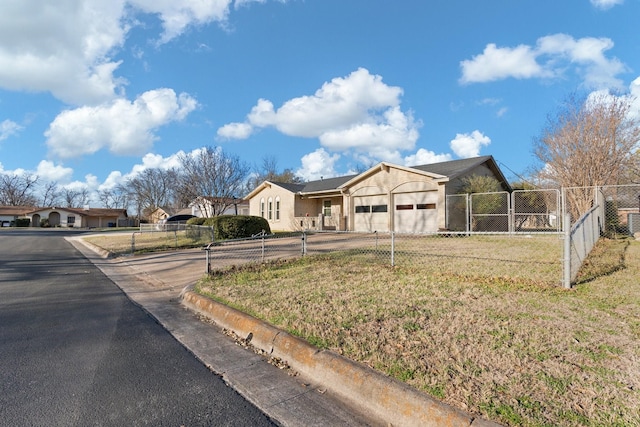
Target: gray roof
<point>450,169</point>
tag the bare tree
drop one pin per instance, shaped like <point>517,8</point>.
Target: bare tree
<point>591,141</point>
<point>152,188</point>
<point>212,173</point>
<point>269,172</point>
<point>50,194</point>
<point>114,198</point>
<point>18,189</point>
<point>75,198</point>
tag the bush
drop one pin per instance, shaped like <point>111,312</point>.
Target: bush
<point>196,221</point>
<point>237,226</point>
<point>22,222</point>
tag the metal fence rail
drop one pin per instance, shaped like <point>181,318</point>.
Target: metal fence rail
<point>537,259</point>
<point>540,236</point>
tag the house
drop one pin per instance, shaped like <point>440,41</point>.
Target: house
<point>386,197</point>
<point>8,214</point>
<point>161,213</point>
<point>78,217</point>
<point>207,207</point>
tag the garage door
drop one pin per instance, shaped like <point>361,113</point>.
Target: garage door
<point>416,212</point>
<point>371,213</point>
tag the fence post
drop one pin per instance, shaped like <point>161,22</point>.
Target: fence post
<point>262,252</point>
<point>208,250</point>
<point>304,244</point>
<point>393,247</point>
<point>133,243</point>
<point>566,269</point>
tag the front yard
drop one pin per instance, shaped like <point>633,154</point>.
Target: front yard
<point>519,352</point>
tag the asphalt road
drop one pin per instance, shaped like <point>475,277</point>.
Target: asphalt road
<point>75,351</point>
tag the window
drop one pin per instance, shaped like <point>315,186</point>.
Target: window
<point>71,219</point>
<point>270,209</point>
<point>262,208</point>
<point>363,209</point>
<point>277,208</point>
<point>404,207</point>
<point>378,208</point>
<point>326,208</point>
<point>426,206</point>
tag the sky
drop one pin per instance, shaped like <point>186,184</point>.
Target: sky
<point>92,92</point>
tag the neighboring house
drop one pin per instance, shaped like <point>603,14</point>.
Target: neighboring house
<point>207,207</point>
<point>79,217</point>
<point>11,213</point>
<point>386,197</point>
<point>160,214</point>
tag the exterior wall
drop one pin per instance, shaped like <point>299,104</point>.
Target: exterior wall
<point>63,218</point>
<point>59,217</point>
<point>384,185</point>
<point>281,219</point>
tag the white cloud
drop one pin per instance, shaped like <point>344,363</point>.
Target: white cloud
<point>49,171</point>
<point>550,58</point>
<point>8,128</point>
<point>121,126</point>
<point>425,157</point>
<point>317,165</point>
<point>177,15</point>
<point>235,131</point>
<point>606,4</point>
<point>68,47</point>
<point>356,113</point>
<point>467,145</point>
<point>62,48</point>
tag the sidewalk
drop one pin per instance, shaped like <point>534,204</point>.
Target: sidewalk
<point>329,390</point>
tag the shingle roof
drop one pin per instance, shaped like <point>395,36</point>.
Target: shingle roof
<point>326,184</point>
<point>452,168</point>
<point>294,188</point>
<point>15,210</point>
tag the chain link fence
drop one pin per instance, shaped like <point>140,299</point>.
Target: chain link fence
<point>528,236</point>
<point>482,256</point>
<point>170,236</point>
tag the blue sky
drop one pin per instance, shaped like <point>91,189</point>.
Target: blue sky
<point>94,91</point>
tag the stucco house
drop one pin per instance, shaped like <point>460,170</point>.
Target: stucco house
<point>8,214</point>
<point>78,217</point>
<point>386,197</point>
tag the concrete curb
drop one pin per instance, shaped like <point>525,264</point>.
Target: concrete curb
<point>382,397</point>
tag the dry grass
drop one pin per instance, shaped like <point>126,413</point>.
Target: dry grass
<point>517,351</point>
<point>136,242</point>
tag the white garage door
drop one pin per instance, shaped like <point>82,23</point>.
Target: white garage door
<point>371,213</point>
<point>416,212</point>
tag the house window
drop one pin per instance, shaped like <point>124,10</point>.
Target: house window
<point>262,208</point>
<point>277,208</point>
<point>404,207</point>
<point>326,208</point>
<point>71,219</point>
<point>426,206</point>
<point>270,209</point>
<point>378,208</point>
<point>363,209</point>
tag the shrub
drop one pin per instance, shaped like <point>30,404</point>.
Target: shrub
<point>22,222</point>
<point>196,221</point>
<point>237,226</point>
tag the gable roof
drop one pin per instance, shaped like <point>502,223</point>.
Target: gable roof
<point>450,169</point>
<point>90,212</point>
<point>453,168</point>
<point>16,210</point>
